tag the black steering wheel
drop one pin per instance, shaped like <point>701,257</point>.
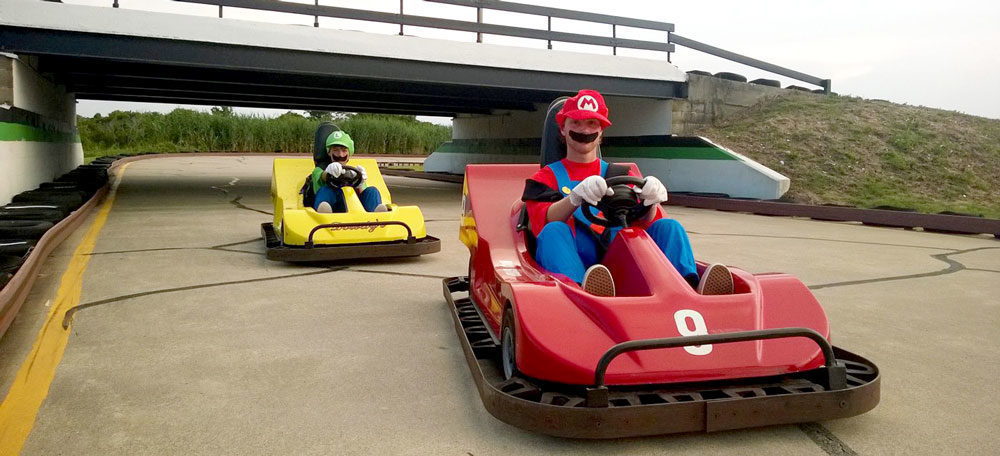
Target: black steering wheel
<point>622,208</point>
<point>350,178</point>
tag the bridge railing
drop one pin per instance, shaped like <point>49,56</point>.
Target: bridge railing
<point>479,27</point>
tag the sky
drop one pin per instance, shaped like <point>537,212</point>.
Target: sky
<point>935,54</point>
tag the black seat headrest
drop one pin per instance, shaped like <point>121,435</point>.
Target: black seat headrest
<point>553,149</point>
<point>320,157</point>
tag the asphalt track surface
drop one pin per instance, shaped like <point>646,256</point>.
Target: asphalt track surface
<point>191,342</point>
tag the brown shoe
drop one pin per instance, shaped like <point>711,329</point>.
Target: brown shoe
<point>716,280</point>
<point>598,281</point>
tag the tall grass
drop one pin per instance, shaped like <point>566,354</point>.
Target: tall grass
<point>185,130</point>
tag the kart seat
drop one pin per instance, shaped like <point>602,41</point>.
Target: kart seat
<point>320,159</point>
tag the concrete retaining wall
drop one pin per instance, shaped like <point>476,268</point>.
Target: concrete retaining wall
<point>38,139</point>
<point>711,99</point>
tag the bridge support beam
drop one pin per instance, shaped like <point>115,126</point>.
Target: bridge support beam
<point>38,138</point>
<point>641,134</point>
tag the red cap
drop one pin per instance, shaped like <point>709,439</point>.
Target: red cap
<point>587,104</point>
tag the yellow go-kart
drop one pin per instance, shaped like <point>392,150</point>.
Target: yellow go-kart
<point>299,233</point>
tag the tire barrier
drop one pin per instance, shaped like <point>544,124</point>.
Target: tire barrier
<point>36,222</point>
<point>767,82</point>
<point>16,247</point>
<point>731,76</point>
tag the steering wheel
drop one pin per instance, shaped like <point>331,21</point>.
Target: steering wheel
<point>350,178</point>
<point>622,208</point>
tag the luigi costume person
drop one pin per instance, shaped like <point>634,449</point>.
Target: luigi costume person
<point>566,242</point>
<point>327,185</point>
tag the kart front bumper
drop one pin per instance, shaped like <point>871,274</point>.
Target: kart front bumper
<point>278,251</point>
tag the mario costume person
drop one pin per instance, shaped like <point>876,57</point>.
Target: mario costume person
<point>330,195</point>
<point>566,242</point>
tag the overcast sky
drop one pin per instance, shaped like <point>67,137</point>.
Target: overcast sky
<point>936,54</point>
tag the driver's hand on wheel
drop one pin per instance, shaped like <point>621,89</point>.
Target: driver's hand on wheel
<point>335,169</point>
<point>652,191</point>
<point>591,190</point>
<point>364,174</point>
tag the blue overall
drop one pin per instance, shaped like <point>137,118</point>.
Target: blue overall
<point>559,251</point>
<point>370,198</point>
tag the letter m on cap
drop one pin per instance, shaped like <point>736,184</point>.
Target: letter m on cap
<point>587,103</point>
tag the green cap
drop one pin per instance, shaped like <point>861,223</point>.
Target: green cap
<point>339,138</point>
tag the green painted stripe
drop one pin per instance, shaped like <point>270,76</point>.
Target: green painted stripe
<point>668,153</point>
<point>20,132</point>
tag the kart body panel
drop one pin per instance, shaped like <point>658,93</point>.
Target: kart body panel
<point>653,301</point>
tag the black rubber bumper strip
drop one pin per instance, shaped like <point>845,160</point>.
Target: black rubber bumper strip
<point>561,410</point>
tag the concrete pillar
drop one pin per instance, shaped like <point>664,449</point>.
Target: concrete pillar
<point>38,137</point>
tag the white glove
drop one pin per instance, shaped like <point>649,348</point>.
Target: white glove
<point>652,191</point>
<point>591,189</point>
<point>364,174</point>
<point>335,169</point>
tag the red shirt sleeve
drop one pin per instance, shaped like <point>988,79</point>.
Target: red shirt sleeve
<point>538,211</point>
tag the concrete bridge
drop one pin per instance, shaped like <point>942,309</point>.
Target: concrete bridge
<point>56,54</point>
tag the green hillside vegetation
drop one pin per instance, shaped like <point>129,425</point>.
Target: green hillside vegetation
<point>184,130</point>
<point>870,153</point>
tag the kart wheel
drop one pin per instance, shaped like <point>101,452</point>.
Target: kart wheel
<point>508,354</point>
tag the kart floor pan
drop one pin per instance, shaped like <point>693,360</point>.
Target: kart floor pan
<point>278,252</point>
<point>560,410</point>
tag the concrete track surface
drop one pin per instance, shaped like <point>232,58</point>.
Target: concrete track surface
<point>194,343</point>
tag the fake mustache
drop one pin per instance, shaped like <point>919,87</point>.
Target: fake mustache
<point>340,159</point>
<point>582,138</point>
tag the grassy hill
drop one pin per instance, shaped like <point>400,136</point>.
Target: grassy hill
<point>870,153</point>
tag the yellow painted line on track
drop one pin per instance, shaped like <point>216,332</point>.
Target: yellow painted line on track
<point>20,408</point>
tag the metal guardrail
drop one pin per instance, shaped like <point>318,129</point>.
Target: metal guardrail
<point>479,27</point>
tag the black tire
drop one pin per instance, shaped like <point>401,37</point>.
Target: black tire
<point>69,199</point>
<point>699,72</point>
<point>767,82</point>
<point>731,76</point>
<point>10,263</point>
<point>26,212</point>
<point>16,247</point>
<point>23,229</point>
<point>799,88</point>
<point>508,345</point>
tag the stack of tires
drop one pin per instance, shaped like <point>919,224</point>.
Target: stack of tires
<point>30,214</point>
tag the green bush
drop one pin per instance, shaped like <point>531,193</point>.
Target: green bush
<point>221,130</point>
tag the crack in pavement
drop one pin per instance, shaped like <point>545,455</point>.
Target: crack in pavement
<point>408,274</point>
<point>236,202</point>
<point>68,316</point>
<point>164,249</point>
<point>953,267</point>
<point>822,239</point>
<point>826,440</point>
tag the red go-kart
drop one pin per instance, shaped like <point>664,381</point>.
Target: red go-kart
<point>656,359</point>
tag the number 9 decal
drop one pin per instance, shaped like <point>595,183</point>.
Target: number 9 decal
<point>681,318</point>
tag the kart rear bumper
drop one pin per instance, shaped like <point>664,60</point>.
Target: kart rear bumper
<point>327,252</point>
<point>562,410</point>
